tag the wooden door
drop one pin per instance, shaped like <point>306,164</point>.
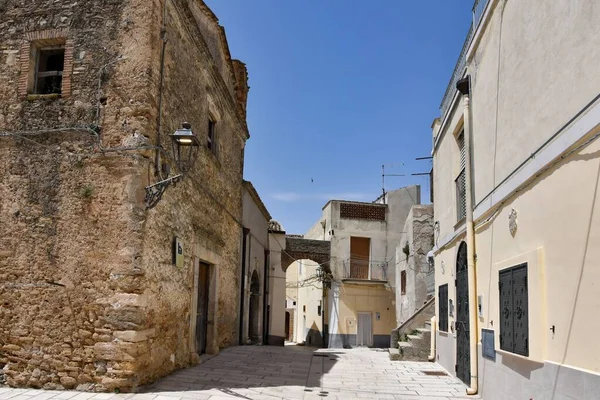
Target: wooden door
<point>202,312</point>
<point>364,336</point>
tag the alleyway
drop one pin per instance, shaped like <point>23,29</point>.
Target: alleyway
<point>269,373</point>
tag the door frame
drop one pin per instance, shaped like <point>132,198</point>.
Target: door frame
<point>462,328</point>
<point>370,341</point>
<point>213,260</point>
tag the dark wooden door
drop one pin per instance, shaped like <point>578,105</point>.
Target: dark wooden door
<point>202,313</point>
<point>463,359</point>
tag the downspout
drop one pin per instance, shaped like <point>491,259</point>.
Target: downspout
<point>433,333</point>
<point>245,232</point>
<point>266,299</point>
<point>464,87</point>
<point>163,37</point>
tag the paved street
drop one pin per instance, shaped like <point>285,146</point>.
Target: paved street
<point>269,373</point>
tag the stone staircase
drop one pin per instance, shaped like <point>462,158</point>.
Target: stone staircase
<point>412,339</point>
<point>414,346</point>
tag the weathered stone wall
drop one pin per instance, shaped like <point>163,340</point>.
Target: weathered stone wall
<point>418,237</point>
<point>89,297</point>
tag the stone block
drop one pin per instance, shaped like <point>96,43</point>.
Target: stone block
<point>135,336</point>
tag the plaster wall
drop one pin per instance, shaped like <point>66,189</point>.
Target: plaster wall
<point>257,243</point>
<point>358,298</point>
<point>523,53</point>
<point>309,323</point>
<point>277,305</point>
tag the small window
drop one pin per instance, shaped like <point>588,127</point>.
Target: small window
<point>50,65</point>
<point>402,282</point>
<point>294,303</point>
<point>514,310</point>
<point>443,308</point>
<point>319,309</point>
<point>212,144</point>
<point>461,192</point>
<point>304,308</point>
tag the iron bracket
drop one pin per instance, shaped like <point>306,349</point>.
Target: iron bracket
<point>154,192</point>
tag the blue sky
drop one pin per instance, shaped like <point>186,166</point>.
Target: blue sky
<point>338,88</point>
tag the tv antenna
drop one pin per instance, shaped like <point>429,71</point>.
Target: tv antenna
<point>383,175</point>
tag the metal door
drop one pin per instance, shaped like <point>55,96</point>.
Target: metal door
<point>202,312</point>
<point>364,335</point>
<point>463,359</point>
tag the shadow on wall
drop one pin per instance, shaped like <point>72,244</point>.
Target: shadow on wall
<point>313,336</point>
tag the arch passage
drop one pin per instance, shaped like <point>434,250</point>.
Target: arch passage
<point>318,251</point>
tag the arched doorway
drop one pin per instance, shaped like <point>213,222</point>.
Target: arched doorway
<point>254,306</point>
<point>463,356</point>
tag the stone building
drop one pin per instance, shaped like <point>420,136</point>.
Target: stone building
<point>415,275</point>
<point>356,306</point>
<point>107,281</point>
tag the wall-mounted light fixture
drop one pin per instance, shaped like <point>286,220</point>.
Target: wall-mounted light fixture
<point>185,152</point>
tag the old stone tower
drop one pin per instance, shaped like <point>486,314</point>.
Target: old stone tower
<point>90,295</point>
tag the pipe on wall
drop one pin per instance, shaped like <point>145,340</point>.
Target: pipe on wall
<point>245,232</point>
<point>433,333</point>
<point>464,86</point>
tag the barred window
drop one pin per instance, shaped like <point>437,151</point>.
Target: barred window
<point>461,192</point>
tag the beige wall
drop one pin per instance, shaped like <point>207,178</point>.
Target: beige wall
<point>309,295</point>
<point>358,298</point>
<point>535,68</point>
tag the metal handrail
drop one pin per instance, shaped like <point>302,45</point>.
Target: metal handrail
<point>478,10</point>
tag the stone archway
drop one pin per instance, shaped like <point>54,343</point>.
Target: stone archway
<point>298,248</point>
<point>254,308</point>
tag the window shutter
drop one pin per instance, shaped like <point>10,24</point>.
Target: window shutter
<point>506,320</point>
<point>443,308</point>
<point>461,146</point>
<point>521,310</point>
<point>514,310</point>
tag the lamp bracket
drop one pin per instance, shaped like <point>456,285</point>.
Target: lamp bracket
<point>154,192</point>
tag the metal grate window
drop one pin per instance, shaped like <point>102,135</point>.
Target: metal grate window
<point>461,192</point>
<point>443,308</point>
<point>514,310</point>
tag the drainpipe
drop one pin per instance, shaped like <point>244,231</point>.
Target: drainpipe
<point>433,333</point>
<point>245,232</point>
<point>464,87</point>
<point>266,315</point>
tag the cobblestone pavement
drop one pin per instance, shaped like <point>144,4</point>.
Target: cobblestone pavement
<point>295,373</point>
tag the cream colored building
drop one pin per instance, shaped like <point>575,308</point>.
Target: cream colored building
<point>516,170</point>
<point>306,291</point>
<point>360,302</point>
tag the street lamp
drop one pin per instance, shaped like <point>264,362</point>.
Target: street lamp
<point>185,146</point>
<point>185,151</point>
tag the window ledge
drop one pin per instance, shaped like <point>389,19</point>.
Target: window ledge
<point>33,97</point>
<point>460,223</point>
<point>517,356</point>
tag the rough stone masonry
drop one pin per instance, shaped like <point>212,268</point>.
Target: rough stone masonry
<point>89,295</point>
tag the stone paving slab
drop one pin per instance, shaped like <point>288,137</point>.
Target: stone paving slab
<point>290,373</point>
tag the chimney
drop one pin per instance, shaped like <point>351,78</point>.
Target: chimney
<point>241,85</point>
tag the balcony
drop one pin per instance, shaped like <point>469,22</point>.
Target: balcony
<point>478,11</point>
<point>363,270</point>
